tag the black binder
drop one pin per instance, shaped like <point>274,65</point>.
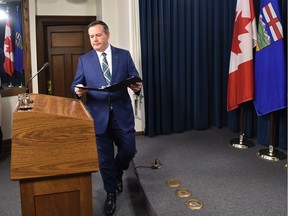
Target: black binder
<point>114,87</point>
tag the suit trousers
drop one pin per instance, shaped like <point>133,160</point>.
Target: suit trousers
<point>116,148</point>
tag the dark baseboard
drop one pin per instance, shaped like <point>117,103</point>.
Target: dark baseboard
<point>6,147</point>
<point>139,133</point>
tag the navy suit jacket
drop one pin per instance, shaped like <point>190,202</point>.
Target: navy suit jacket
<point>89,73</point>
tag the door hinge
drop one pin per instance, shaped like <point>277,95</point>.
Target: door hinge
<point>49,87</point>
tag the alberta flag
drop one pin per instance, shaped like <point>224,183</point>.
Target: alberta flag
<point>241,75</point>
<point>18,43</point>
<point>270,64</point>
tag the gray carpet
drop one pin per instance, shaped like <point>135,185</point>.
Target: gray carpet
<point>227,180</point>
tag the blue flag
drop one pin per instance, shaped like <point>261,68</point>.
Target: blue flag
<point>18,56</point>
<point>270,65</point>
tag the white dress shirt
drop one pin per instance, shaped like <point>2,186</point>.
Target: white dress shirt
<point>108,57</point>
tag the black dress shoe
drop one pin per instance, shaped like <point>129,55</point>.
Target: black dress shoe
<point>119,187</point>
<point>110,204</point>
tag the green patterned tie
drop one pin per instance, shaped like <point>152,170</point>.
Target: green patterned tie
<point>105,68</point>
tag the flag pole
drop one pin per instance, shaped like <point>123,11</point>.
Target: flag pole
<point>242,142</point>
<point>271,153</point>
<point>10,82</point>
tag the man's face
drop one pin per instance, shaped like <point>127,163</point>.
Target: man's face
<point>98,39</point>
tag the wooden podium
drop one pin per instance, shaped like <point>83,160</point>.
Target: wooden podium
<point>53,155</point>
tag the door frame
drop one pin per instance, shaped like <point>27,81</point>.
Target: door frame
<point>42,22</point>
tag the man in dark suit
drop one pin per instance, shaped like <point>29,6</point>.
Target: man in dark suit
<point>112,111</point>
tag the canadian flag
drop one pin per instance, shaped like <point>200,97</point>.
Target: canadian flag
<point>8,50</point>
<point>240,79</point>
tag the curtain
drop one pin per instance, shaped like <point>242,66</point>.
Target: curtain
<point>135,50</point>
<point>185,52</point>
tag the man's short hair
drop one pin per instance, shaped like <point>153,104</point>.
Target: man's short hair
<point>99,22</point>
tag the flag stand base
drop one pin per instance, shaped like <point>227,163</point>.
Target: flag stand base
<point>271,154</point>
<point>241,142</point>
<point>10,85</point>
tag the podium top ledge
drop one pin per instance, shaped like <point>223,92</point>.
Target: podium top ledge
<point>60,106</point>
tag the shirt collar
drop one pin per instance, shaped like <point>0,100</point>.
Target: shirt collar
<point>107,51</point>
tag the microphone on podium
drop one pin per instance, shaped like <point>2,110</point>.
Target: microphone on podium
<point>41,69</point>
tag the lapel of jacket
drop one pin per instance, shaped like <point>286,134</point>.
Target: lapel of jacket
<point>96,68</point>
<point>115,61</point>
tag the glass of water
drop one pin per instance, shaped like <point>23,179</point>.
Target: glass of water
<point>24,101</point>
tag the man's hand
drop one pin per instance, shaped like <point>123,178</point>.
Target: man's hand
<point>80,91</point>
<point>136,87</point>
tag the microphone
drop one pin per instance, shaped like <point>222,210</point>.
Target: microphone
<point>41,69</point>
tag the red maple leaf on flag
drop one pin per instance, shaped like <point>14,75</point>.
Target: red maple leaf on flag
<point>8,50</point>
<point>239,29</point>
